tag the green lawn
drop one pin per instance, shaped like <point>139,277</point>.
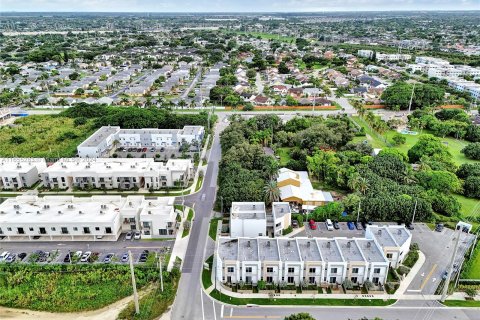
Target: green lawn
<point>212,231</point>
<point>207,274</point>
<point>189,218</point>
<point>301,301</point>
<point>267,36</point>
<point>462,303</point>
<point>374,138</point>
<point>284,154</point>
<point>47,136</point>
<point>199,183</point>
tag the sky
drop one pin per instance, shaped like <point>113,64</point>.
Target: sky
<point>233,5</point>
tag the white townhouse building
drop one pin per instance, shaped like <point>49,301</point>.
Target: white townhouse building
<point>392,57</point>
<point>280,219</point>
<point>118,173</point>
<point>98,218</point>
<point>394,240</point>
<point>101,142</point>
<point>248,219</point>
<point>293,261</point>
<point>17,173</point>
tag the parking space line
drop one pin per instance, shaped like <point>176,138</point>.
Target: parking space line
<point>424,283</point>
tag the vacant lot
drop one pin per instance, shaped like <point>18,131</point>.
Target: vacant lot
<point>43,136</point>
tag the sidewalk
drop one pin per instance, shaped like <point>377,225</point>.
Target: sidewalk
<point>411,275</point>
<point>181,243</point>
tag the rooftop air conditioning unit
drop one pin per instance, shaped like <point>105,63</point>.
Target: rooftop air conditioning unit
<point>38,212</point>
<point>70,206</point>
<point>60,212</point>
<point>80,212</point>
<point>18,212</point>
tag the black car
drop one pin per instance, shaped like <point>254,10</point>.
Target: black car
<point>358,226</point>
<point>364,224</point>
<point>409,226</point>
<point>68,258</point>
<point>335,224</point>
<point>439,227</point>
<point>143,256</point>
<point>22,255</point>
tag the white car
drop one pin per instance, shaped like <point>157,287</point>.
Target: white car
<point>4,255</point>
<point>129,235</point>
<point>85,256</point>
<point>137,235</point>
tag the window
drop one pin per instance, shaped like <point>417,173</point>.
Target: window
<point>42,230</point>
<point>376,270</point>
<point>333,279</point>
<point>9,229</point>
<point>162,232</point>
<point>354,270</point>
<point>389,256</point>
<point>1,231</point>
<point>291,270</point>
<point>248,279</point>
<point>108,230</point>
<point>333,270</point>
<point>230,269</point>
<point>269,269</point>
<point>86,230</point>
<point>53,228</point>
<point>97,228</point>
<point>354,279</point>
<point>311,280</point>
<point>20,231</point>
<point>31,229</point>
<point>75,229</point>
<point>312,270</point>
<point>269,279</point>
<point>375,280</point>
<point>64,230</point>
<point>248,269</point>
<point>290,280</point>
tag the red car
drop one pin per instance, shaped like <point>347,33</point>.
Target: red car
<point>313,226</point>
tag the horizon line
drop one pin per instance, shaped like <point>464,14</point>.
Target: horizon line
<point>259,12</point>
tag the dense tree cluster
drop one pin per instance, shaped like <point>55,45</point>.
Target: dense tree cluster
<point>470,174</point>
<point>398,95</point>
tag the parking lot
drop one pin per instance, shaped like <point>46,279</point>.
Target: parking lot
<point>150,152</point>
<point>437,247</point>
<point>58,250</point>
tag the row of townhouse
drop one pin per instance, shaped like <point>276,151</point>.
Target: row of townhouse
<point>125,173</point>
<point>293,261</point>
<point>100,173</point>
<point>67,218</point>
<point>19,173</point>
<point>251,219</point>
<point>383,56</point>
<point>101,142</point>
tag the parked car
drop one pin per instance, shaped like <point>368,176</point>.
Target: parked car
<point>130,149</point>
<point>409,226</point>
<point>439,227</point>
<point>144,149</point>
<point>152,149</point>
<point>445,275</point>
<point>4,255</point>
<point>22,255</point>
<point>350,225</point>
<point>143,256</point>
<point>125,257</point>
<point>358,226</point>
<point>329,225</point>
<point>465,229</point>
<point>108,258</point>
<point>129,235</point>
<point>11,258</point>
<point>137,235</point>
<point>336,225</point>
<point>68,257</point>
<point>295,223</point>
<point>139,149</point>
<point>78,254</point>
<point>312,224</point>
<point>85,256</point>
<point>162,149</point>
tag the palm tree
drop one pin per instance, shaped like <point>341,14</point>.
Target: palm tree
<point>272,192</point>
<point>358,183</point>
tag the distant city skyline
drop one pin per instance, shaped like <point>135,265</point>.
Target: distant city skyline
<point>233,5</point>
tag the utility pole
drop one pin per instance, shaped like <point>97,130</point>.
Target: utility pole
<point>450,268</point>
<point>160,268</point>
<point>358,213</point>
<point>134,285</point>
<point>414,211</point>
<point>411,99</point>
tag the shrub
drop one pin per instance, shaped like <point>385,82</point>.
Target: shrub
<point>399,139</point>
<point>17,139</point>
<point>411,258</point>
<point>472,151</point>
<point>287,230</point>
<point>403,270</point>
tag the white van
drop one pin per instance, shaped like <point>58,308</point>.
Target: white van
<point>4,255</point>
<point>329,225</point>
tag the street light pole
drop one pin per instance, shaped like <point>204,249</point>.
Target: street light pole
<point>358,213</point>
<point>414,211</point>
<point>450,268</point>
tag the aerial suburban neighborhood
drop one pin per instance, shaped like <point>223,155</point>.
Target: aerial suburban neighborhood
<point>294,161</point>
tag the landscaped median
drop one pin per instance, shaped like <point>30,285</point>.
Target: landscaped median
<point>462,303</point>
<point>308,300</point>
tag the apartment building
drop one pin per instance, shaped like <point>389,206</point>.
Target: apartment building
<point>280,219</point>
<point>392,57</point>
<point>248,219</point>
<point>98,218</point>
<point>394,240</point>
<point>100,143</point>
<point>109,173</point>
<point>18,173</point>
<point>365,53</point>
<point>318,261</point>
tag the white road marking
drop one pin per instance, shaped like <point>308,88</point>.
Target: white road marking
<point>221,311</point>
<point>231,312</point>
<point>214,311</point>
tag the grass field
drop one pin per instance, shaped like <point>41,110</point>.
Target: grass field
<point>267,36</point>
<point>212,231</point>
<point>45,136</point>
<point>462,303</point>
<point>284,154</point>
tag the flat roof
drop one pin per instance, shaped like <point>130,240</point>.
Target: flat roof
<point>350,250</point>
<point>247,210</point>
<point>280,209</point>
<point>268,249</point>
<point>99,136</point>
<point>247,249</point>
<point>21,165</point>
<point>399,233</point>
<point>228,248</point>
<point>288,249</point>
<point>329,250</point>
<point>370,250</point>
<point>382,236</point>
<point>309,250</point>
